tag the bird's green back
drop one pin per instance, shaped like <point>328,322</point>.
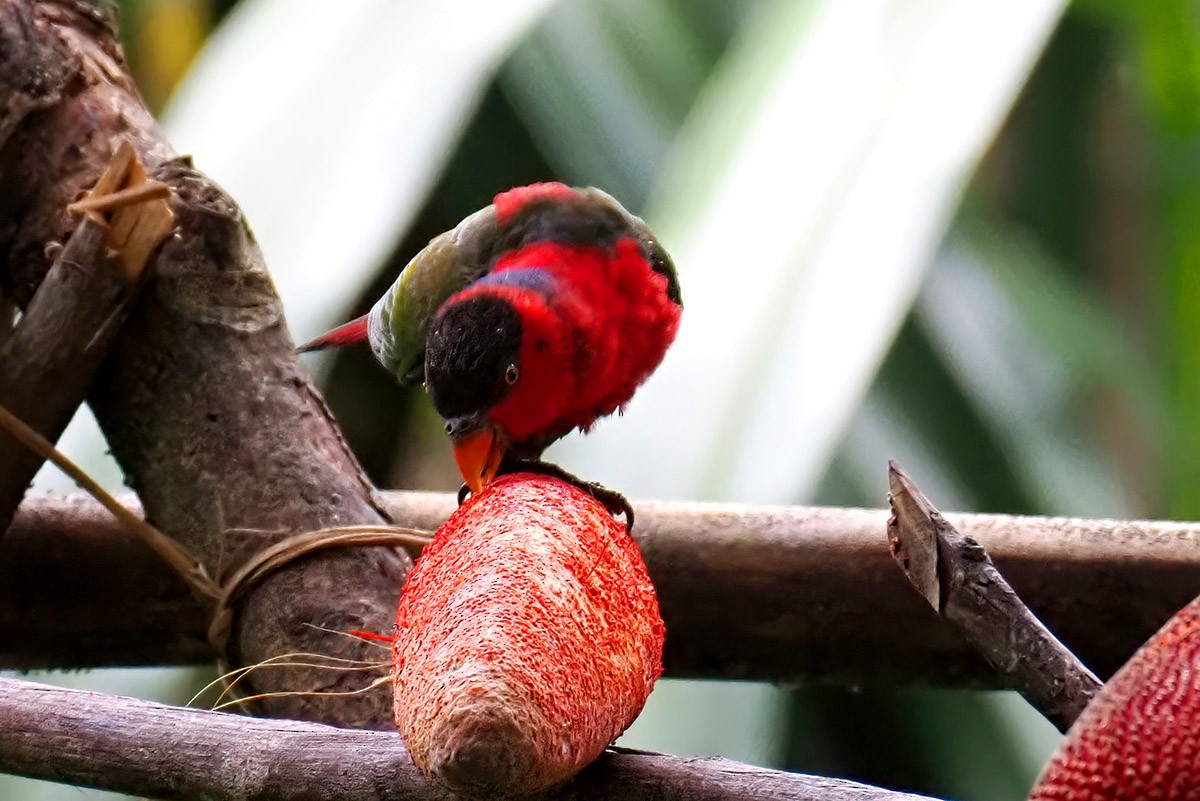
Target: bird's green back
<point>400,319</point>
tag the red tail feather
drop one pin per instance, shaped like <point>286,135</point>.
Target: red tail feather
<point>370,635</point>
<point>351,333</point>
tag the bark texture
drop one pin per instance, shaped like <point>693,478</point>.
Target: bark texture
<point>215,422</point>
<point>49,361</point>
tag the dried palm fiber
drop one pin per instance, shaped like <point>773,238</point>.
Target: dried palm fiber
<point>528,638</point>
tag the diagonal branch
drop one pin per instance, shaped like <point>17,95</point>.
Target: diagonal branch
<point>214,421</point>
<point>51,358</point>
<point>749,592</point>
<point>957,577</point>
<point>143,748</point>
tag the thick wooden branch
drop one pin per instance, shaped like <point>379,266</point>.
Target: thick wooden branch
<point>959,580</point>
<point>142,748</point>
<point>795,594</point>
<point>213,419</point>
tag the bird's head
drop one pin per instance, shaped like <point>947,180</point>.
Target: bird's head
<point>494,371</point>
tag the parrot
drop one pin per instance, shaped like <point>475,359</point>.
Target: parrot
<point>535,316</point>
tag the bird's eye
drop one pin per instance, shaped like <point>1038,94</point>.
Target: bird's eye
<point>511,374</point>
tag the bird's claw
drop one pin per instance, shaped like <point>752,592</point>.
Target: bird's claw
<point>616,503</point>
<point>613,501</point>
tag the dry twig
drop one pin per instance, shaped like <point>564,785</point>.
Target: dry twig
<point>956,576</point>
<point>51,358</point>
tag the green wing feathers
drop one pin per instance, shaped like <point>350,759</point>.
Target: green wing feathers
<point>400,319</point>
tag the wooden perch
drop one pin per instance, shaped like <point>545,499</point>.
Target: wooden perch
<point>51,358</point>
<point>214,421</point>
<point>747,592</point>
<point>957,577</point>
<point>143,748</point>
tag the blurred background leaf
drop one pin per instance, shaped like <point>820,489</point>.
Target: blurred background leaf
<point>881,257</point>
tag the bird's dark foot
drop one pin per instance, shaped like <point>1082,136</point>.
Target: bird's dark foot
<point>613,501</point>
<point>616,503</point>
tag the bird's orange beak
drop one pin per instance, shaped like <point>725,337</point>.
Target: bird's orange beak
<point>478,455</point>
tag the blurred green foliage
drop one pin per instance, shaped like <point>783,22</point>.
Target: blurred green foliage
<point>1051,365</point>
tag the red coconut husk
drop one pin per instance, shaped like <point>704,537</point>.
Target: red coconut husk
<point>1139,738</point>
<point>528,638</point>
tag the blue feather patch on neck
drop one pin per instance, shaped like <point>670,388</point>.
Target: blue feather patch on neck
<point>535,279</point>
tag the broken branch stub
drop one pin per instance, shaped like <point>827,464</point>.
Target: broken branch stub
<point>955,574</point>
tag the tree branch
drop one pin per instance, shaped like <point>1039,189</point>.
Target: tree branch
<point>143,748</point>
<point>956,576</point>
<point>50,360</point>
<point>213,419</point>
<point>789,594</point>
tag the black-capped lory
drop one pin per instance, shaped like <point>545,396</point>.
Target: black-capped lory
<point>534,316</point>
